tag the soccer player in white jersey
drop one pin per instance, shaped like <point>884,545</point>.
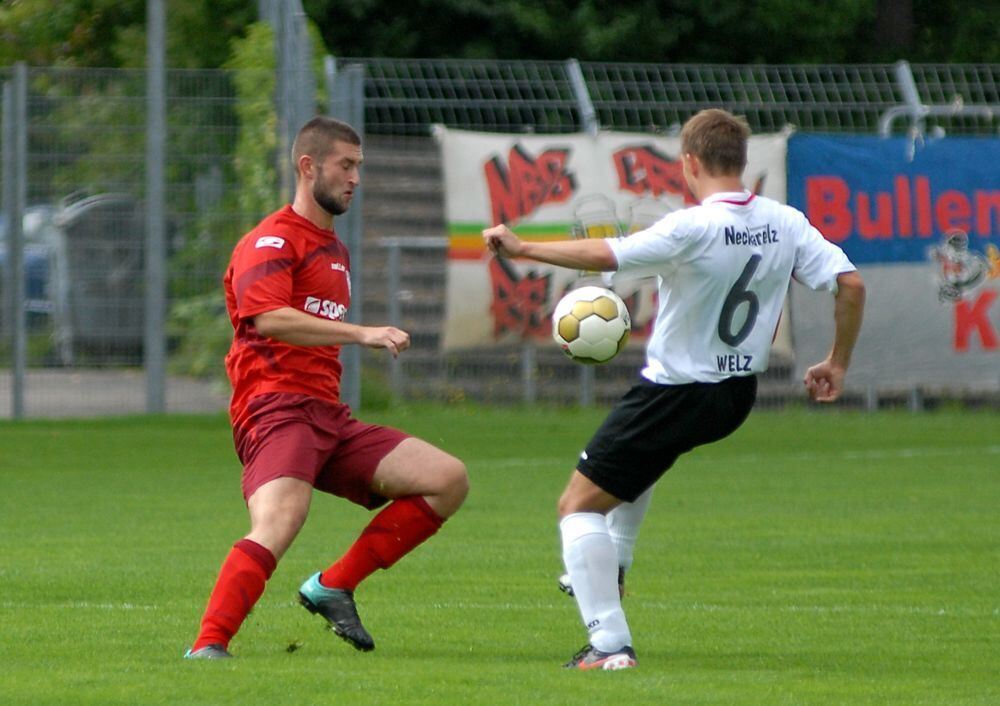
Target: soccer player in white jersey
<point>723,268</point>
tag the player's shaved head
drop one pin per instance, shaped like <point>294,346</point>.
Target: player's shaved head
<point>317,137</point>
<point>718,139</point>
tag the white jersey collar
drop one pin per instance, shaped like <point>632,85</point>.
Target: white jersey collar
<point>736,198</point>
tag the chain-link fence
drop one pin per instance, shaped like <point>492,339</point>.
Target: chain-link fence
<point>405,96</point>
<point>85,234</point>
<point>80,252</point>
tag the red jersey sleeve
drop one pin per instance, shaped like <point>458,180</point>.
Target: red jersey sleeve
<point>261,274</point>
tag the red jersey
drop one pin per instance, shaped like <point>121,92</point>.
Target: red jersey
<point>286,261</point>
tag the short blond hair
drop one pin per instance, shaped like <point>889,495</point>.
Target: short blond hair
<point>718,139</point>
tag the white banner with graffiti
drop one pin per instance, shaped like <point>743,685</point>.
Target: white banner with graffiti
<point>554,187</point>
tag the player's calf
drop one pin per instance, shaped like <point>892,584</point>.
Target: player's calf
<point>566,584</point>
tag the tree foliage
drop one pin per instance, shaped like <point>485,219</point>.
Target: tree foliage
<point>771,31</point>
<point>199,324</point>
<point>111,32</point>
<point>98,33</point>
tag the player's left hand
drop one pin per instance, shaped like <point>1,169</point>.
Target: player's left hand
<point>502,241</point>
<point>824,381</point>
<point>389,337</point>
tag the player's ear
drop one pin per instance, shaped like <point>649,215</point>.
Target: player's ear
<point>306,166</point>
<point>692,164</point>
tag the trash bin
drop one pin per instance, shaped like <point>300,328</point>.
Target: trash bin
<point>101,261</point>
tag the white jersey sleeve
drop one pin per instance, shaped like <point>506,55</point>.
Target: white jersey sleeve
<point>817,261</point>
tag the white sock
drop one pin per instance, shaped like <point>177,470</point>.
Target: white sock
<point>623,525</point>
<point>592,564</point>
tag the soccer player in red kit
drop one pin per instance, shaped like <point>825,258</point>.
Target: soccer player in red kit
<point>288,288</point>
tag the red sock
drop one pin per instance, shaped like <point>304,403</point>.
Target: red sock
<point>240,584</point>
<point>391,534</point>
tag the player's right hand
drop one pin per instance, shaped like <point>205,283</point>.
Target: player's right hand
<point>389,337</point>
<point>502,241</point>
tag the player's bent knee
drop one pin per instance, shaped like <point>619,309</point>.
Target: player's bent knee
<point>569,506</point>
<point>592,499</point>
<point>565,506</point>
<point>449,488</point>
<point>455,482</point>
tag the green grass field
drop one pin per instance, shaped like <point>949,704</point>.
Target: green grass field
<point>812,558</point>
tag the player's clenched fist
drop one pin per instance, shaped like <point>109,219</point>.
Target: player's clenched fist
<point>824,382</point>
<point>502,241</point>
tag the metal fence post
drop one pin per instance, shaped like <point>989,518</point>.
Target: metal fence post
<point>871,398</point>
<point>529,373</point>
<point>588,115</point>
<point>154,335</point>
<point>586,385</point>
<point>15,180</point>
<point>330,80</point>
<point>904,79</point>
<point>395,369</point>
<point>347,103</point>
<point>295,92</point>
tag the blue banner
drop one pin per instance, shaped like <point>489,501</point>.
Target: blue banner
<point>888,200</point>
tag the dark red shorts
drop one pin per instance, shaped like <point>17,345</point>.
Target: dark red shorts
<point>297,436</point>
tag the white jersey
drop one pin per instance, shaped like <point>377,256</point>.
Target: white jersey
<point>723,269</point>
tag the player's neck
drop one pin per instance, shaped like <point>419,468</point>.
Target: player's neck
<point>709,186</point>
<point>312,212</point>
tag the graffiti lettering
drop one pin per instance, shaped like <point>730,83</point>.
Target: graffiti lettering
<point>525,184</point>
<point>518,304</point>
<point>643,169</point>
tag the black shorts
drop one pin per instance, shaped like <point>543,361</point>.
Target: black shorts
<point>654,424</point>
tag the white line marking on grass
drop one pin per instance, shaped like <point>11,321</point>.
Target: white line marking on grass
<point>869,609</point>
<point>862,455</point>
<point>77,605</point>
<point>847,455</point>
<point>919,452</point>
<point>873,608</point>
<point>501,463</point>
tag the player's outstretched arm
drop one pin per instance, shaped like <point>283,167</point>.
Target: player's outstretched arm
<point>301,329</point>
<point>592,254</point>
<point>825,380</point>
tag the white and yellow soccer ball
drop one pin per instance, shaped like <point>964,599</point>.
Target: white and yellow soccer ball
<point>591,324</point>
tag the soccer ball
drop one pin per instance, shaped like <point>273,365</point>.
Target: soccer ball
<point>591,324</point>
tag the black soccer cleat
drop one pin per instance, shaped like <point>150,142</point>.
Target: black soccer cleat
<point>337,606</point>
<point>592,658</point>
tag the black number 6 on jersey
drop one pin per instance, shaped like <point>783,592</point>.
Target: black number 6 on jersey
<point>738,295</point>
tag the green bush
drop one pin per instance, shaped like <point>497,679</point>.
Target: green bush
<point>200,334</point>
